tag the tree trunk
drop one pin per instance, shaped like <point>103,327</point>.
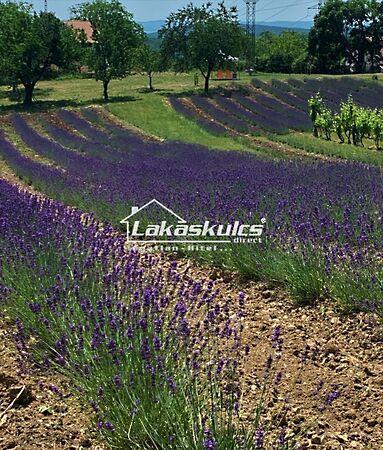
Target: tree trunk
<point>28,94</point>
<point>207,80</point>
<point>150,81</point>
<point>207,77</point>
<point>106,96</point>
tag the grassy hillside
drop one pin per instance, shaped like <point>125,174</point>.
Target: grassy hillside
<point>152,113</point>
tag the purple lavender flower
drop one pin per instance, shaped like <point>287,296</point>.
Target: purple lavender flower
<point>332,396</point>
<point>278,378</point>
<point>108,426</point>
<point>171,384</point>
<point>281,439</point>
<point>276,338</point>
<point>259,437</point>
<point>209,442</point>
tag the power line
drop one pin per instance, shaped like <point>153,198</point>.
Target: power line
<point>304,17</point>
<point>301,3</point>
<point>284,9</point>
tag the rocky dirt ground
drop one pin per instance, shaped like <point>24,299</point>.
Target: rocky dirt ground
<point>37,409</point>
<point>331,367</point>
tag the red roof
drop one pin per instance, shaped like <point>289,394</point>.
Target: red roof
<point>82,25</point>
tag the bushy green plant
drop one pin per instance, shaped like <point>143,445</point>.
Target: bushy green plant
<point>352,123</point>
<point>376,120</point>
<point>325,123</point>
<point>315,108</point>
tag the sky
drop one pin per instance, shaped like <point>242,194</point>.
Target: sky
<point>148,10</point>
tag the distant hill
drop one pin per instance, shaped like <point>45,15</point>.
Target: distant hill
<point>286,24</point>
<point>153,40</point>
<point>276,27</point>
<point>152,27</point>
<point>262,27</point>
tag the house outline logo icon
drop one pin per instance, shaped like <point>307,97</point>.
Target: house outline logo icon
<point>182,229</point>
<point>136,209</point>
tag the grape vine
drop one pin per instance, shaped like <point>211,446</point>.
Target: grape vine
<point>352,123</point>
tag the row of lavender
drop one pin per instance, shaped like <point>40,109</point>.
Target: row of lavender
<point>234,111</point>
<point>296,92</point>
<point>131,334</point>
<point>324,220</point>
<point>156,353</point>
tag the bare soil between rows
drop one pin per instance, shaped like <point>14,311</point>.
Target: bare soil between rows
<point>38,409</point>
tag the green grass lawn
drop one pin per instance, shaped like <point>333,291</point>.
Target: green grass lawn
<point>133,103</point>
<point>310,144</point>
<point>75,91</point>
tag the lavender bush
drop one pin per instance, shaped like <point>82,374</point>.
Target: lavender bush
<point>271,119</point>
<point>281,93</point>
<point>153,351</point>
<point>190,113</point>
<point>236,108</point>
<point>222,116</point>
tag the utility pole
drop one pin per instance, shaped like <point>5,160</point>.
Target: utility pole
<point>250,28</point>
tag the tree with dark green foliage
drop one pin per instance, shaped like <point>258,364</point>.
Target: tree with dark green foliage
<point>116,39</point>
<point>286,53</point>
<point>327,41</point>
<point>376,37</point>
<point>358,14</point>
<point>202,38</point>
<point>149,62</point>
<point>31,43</point>
<point>347,36</point>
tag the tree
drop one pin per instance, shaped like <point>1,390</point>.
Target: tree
<point>376,37</point>
<point>149,62</point>
<point>116,38</point>
<point>203,38</point>
<point>30,44</point>
<point>356,23</point>
<point>327,40</point>
<point>347,35</point>
<point>12,18</point>
<point>285,53</point>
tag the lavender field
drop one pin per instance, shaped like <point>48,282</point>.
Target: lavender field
<point>275,106</point>
<point>191,225</point>
<point>114,323</point>
<point>324,219</point>
<point>156,352</point>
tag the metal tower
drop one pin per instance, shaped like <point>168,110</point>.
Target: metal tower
<point>45,5</point>
<point>250,26</point>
